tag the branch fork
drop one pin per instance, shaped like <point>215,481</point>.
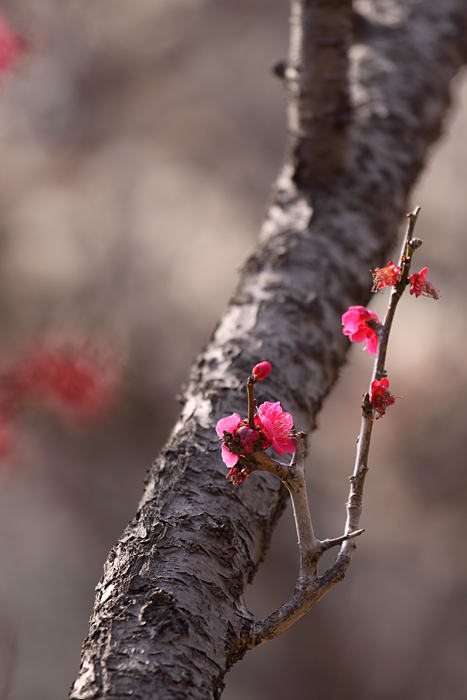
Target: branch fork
<point>310,587</point>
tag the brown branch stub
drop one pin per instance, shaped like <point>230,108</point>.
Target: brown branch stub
<point>251,402</point>
<point>337,541</point>
<point>317,90</point>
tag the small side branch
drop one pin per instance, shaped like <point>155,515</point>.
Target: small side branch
<point>337,541</point>
<point>311,587</point>
<point>295,482</point>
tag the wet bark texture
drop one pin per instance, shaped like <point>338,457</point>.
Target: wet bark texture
<point>169,617</point>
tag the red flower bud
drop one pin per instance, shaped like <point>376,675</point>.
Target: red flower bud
<point>261,371</point>
<point>247,437</point>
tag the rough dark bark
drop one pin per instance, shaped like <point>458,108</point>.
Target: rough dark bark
<point>169,617</point>
<point>319,100</point>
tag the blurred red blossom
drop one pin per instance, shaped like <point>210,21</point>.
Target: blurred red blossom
<point>421,285</point>
<point>72,380</point>
<point>67,378</point>
<point>11,45</point>
<point>355,326</point>
<point>385,276</point>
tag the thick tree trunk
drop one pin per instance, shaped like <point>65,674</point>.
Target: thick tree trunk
<point>169,618</point>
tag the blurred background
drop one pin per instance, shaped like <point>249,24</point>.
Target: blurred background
<point>137,139</point>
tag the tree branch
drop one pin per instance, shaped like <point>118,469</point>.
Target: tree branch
<point>318,111</point>
<point>169,617</point>
<point>310,587</point>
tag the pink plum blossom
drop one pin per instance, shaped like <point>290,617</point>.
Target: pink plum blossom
<point>229,424</point>
<point>276,426</point>
<point>241,430</point>
<point>273,427</point>
<point>355,326</point>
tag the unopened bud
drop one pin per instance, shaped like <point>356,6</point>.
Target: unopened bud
<point>261,371</point>
<point>247,437</point>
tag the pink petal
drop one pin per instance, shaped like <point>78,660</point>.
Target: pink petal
<point>351,318</point>
<point>372,344</point>
<point>277,447</point>
<point>230,460</point>
<point>268,430</point>
<point>359,335</point>
<point>283,445</point>
<point>269,409</point>
<point>229,424</point>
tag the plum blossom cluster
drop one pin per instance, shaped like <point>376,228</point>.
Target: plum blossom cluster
<point>59,377</point>
<point>390,276</point>
<point>269,426</point>
<point>362,325</point>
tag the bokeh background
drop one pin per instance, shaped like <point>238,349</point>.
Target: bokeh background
<point>138,142</point>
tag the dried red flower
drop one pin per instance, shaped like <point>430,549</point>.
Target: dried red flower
<point>386,276</point>
<point>68,378</point>
<point>380,397</point>
<point>236,476</point>
<point>421,285</point>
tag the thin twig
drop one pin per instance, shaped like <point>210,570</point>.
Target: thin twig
<point>397,291</point>
<point>251,402</point>
<point>296,484</point>
<point>357,480</point>
<point>336,541</point>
